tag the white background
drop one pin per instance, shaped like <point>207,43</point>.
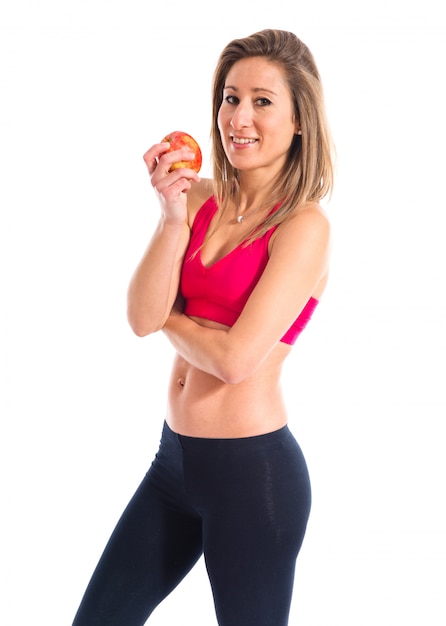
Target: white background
<point>86,87</point>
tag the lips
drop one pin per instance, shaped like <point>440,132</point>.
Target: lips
<point>242,140</point>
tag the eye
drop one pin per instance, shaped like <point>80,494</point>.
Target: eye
<point>263,102</point>
<point>231,100</point>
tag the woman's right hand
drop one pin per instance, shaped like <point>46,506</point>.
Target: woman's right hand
<point>170,187</point>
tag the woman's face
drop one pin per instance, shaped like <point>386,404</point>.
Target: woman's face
<point>256,118</point>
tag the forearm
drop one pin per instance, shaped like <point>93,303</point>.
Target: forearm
<point>208,349</point>
<point>154,284</point>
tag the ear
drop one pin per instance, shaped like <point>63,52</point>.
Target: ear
<point>297,129</point>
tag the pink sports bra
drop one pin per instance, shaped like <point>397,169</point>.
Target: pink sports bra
<point>220,292</point>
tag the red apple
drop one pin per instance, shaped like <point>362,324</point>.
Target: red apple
<point>178,139</point>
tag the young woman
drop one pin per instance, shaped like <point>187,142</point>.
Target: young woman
<point>232,274</point>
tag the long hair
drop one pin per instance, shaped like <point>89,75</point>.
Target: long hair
<point>308,172</point>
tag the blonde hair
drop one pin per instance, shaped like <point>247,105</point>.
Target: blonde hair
<point>308,172</point>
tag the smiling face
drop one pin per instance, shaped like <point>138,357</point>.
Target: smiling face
<point>256,118</point>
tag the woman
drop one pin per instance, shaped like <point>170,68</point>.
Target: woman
<point>231,275</point>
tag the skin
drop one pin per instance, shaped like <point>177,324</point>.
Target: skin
<point>225,382</point>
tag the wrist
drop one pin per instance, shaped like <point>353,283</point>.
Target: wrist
<point>173,223</point>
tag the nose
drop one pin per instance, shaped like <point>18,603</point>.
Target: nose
<point>242,117</point>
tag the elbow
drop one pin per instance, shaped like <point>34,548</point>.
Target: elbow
<point>234,370</point>
<point>231,378</point>
<point>140,331</point>
<point>142,326</point>
<point>236,361</point>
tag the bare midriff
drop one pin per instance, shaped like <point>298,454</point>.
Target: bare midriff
<point>201,405</point>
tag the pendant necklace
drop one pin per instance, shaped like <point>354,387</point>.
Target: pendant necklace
<point>241,218</point>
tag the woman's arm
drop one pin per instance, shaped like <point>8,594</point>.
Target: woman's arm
<point>154,285</point>
<point>297,265</point>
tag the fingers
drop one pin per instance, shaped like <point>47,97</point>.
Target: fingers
<point>152,156</point>
<point>159,158</point>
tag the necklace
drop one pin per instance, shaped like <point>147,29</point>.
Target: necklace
<point>241,218</point>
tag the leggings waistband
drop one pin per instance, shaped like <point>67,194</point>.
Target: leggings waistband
<point>264,440</point>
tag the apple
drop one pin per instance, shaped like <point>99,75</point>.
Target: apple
<point>179,139</point>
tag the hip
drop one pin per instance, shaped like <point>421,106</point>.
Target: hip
<point>238,487</point>
<point>201,465</point>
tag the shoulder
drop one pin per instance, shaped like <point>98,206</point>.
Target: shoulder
<point>308,224</point>
<point>197,196</point>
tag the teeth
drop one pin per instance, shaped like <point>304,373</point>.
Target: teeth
<point>241,140</point>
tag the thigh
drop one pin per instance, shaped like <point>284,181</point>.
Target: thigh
<point>255,501</point>
<point>152,548</point>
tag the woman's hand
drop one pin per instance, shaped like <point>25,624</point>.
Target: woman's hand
<point>170,187</point>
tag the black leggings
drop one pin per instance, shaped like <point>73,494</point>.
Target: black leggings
<point>244,503</point>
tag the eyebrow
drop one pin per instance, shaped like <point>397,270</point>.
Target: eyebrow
<point>255,89</point>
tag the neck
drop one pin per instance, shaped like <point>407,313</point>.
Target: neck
<point>255,190</point>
